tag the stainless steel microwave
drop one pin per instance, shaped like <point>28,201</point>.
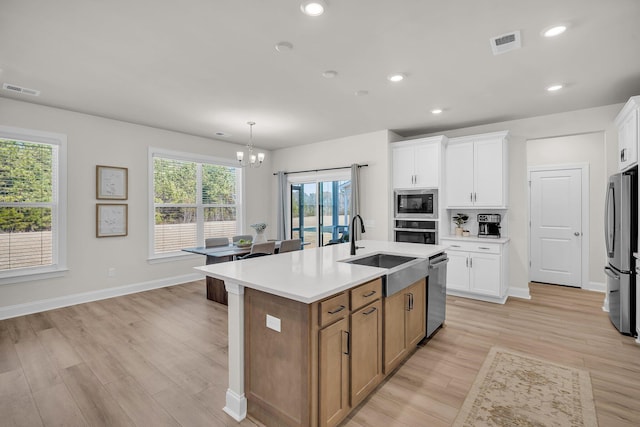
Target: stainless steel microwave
<point>415,204</point>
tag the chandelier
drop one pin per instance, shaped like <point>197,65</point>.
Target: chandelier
<point>253,160</point>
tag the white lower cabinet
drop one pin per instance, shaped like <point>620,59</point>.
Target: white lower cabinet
<point>476,269</point>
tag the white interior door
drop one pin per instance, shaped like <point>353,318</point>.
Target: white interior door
<point>556,226</point>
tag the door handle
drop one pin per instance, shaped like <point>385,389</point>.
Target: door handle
<point>371,310</point>
<point>577,233</point>
<point>346,342</point>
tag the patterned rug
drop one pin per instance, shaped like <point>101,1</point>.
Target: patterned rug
<point>513,389</point>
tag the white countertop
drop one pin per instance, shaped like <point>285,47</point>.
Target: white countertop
<point>500,240</point>
<point>310,275</point>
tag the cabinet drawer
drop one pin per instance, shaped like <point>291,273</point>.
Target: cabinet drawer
<point>333,309</point>
<point>364,294</point>
<point>490,248</point>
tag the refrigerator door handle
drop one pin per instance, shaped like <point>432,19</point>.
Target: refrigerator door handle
<point>609,272</point>
<point>609,213</point>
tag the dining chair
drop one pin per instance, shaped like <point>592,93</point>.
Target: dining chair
<point>216,241</point>
<point>264,248</point>
<point>241,237</point>
<point>290,245</point>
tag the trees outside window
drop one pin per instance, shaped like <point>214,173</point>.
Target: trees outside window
<point>193,200</point>
<point>31,212</point>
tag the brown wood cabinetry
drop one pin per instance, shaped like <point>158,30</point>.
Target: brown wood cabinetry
<point>310,364</point>
<point>333,373</point>
<point>366,351</point>
<point>404,323</point>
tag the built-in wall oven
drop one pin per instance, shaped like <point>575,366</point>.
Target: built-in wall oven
<point>416,231</point>
<point>416,203</point>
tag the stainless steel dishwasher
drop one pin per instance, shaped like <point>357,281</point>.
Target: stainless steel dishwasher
<point>436,292</point>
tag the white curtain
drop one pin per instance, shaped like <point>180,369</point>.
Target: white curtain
<point>355,198</point>
<point>281,228</point>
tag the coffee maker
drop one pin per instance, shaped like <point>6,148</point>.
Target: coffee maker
<point>489,225</point>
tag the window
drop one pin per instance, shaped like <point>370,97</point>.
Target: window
<point>194,198</point>
<point>320,220</point>
<point>32,203</point>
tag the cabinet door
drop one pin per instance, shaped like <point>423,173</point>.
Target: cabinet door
<point>403,167</point>
<point>627,141</point>
<point>333,373</point>
<point>488,170</point>
<point>485,275</point>
<point>427,165</point>
<point>366,351</point>
<point>394,348</point>
<point>459,173</point>
<point>458,271</point>
<point>416,316</point>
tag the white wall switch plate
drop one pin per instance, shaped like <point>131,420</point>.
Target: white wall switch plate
<point>273,323</point>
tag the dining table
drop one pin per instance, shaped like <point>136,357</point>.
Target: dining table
<point>215,254</point>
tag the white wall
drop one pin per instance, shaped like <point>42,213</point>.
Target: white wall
<point>372,149</point>
<point>95,141</point>
<point>590,149</point>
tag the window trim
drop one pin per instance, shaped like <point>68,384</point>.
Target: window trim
<point>153,257</point>
<point>59,219</point>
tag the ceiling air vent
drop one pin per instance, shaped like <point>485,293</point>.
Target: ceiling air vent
<point>505,42</point>
<point>20,89</point>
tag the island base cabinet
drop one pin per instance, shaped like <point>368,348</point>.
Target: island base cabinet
<point>366,351</point>
<point>311,364</point>
<point>333,373</point>
<point>405,323</point>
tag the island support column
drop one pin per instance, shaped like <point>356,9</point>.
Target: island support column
<point>236,402</point>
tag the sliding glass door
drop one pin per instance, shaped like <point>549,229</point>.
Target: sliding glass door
<point>320,211</point>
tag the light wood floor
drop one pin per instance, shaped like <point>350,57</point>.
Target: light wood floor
<point>159,358</point>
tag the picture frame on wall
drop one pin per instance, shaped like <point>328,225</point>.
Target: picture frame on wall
<point>111,183</point>
<point>111,220</point>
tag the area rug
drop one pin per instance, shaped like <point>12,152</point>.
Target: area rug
<point>514,389</point>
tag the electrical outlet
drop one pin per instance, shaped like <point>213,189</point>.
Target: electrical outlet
<point>273,323</point>
<point>111,272</point>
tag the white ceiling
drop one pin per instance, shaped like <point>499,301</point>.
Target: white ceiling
<point>207,66</point>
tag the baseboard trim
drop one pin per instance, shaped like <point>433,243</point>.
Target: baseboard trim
<point>596,287</point>
<point>65,301</point>
<point>496,300</point>
<point>522,293</point>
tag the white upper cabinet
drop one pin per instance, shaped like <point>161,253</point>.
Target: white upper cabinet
<point>476,171</point>
<point>628,124</point>
<point>417,163</point>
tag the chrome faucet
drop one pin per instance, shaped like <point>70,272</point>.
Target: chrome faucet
<point>353,233</point>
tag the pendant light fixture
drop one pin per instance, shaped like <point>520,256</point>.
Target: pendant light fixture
<point>253,160</point>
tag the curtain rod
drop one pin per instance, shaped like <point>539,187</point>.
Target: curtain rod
<point>320,170</point>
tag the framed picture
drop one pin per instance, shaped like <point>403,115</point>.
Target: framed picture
<point>111,183</point>
<point>111,220</point>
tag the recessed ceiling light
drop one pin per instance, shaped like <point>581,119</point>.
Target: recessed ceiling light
<point>313,7</point>
<point>556,30</point>
<point>436,111</point>
<point>329,74</point>
<point>362,92</point>
<point>284,47</point>
<point>554,88</point>
<point>397,77</point>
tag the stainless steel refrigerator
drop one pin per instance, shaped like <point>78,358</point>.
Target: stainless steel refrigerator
<point>621,221</point>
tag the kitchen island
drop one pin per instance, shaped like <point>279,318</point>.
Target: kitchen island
<point>285,296</point>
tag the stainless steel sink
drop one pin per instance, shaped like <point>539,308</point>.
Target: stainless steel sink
<point>402,271</point>
<point>382,260</point>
